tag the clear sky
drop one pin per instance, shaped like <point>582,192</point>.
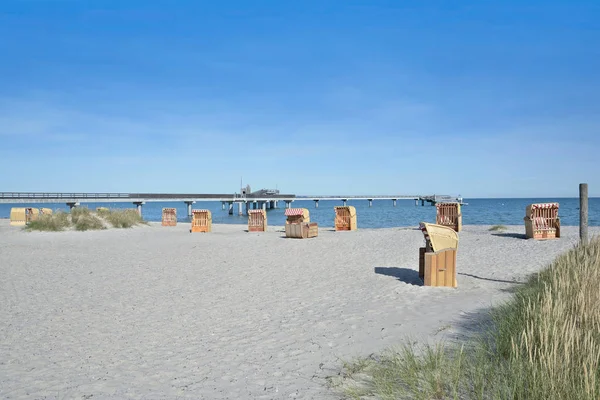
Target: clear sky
<point>479,98</point>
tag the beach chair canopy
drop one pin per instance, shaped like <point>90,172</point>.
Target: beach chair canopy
<point>531,209</point>
<point>296,212</point>
<point>440,237</point>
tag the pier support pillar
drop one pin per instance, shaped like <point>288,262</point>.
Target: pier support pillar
<point>72,205</point>
<point>139,205</point>
<point>422,202</point>
<point>264,205</point>
<point>344,202</point>
<point>275,203</point>
<point>394,202</point>
<point>255,205</point>
<point>230,208</point>
<point>240,208</point>
<point>222,205</point>
<point>288,204</point>
<point>247,208</point>
<point>416,202</point>
<point>370,202</point>
<point>189,207</point>
<point>316,203</point>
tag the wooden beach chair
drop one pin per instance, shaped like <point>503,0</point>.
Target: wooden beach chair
<point>448,214</point>
<point>542,221</point>
<point>257,220</point>
<point>31,214</point>
<point>169,217</point>
<point>18,216</point>
<point>298,225</point>
<point>345,218</point>
<point>437,260</point>
<point>201,221</point>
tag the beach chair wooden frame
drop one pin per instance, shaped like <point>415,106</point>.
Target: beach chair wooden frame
<point>201,221</point>
<point>18,216</point>
<point>345,218</point>
<point>437,260</point>
<point>297,215</point>
<point>257,220</point>
<point>542,221</point>
<point>169,217</point>
<point>302,230</point>
<point>449,214</point>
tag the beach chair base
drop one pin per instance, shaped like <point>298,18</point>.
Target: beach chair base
<point>438,268</point>
<point>302,230</point>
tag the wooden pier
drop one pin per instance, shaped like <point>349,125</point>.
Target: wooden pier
<point>262,199</point>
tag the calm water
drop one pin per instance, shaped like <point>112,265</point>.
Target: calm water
<point>381,215</point>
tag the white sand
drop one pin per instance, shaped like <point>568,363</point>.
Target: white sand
<point>156,312</point>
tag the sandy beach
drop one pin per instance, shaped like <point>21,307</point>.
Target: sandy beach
<point>158,313</point>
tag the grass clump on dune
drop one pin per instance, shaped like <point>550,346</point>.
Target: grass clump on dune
<point>543,344</point>
<point>56,222</point>
<point>496,228</point>
<point>122,218</point>
<point>82,219</point>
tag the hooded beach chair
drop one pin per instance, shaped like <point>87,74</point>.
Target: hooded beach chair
<point>437,260</point>
<point>448,214</point>
<point>32,214</point>
<point>542,221</point>
<point>298,225</point>
<point>257,220</point>
<point>201,221</point>
<point>169,217</point>
<point>345,218</point>
<point>18,216</point>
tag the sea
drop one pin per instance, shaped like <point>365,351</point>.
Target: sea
<point>382,214</point>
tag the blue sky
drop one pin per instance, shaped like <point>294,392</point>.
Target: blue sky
<point>481,98</point>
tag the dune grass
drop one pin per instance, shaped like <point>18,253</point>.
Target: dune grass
<point>543,344</point>
<point>83,219</point>
<point>496,228</point>
<point>56,222</point>
<point>122,218</point>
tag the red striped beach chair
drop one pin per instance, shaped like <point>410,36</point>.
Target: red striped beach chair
<point>542,221</point>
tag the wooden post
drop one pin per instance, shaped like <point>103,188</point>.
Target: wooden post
<point>583,212</point>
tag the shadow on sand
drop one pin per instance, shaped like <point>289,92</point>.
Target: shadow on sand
<point>405,275</point>
<point>489,279</point>
<point>511,235</point>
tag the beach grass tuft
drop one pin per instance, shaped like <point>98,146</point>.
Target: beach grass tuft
<point>82,219</point>
<point>56,222</point>
<point>496,228</point>
<point>122,218</point>
<point>542,344</point>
